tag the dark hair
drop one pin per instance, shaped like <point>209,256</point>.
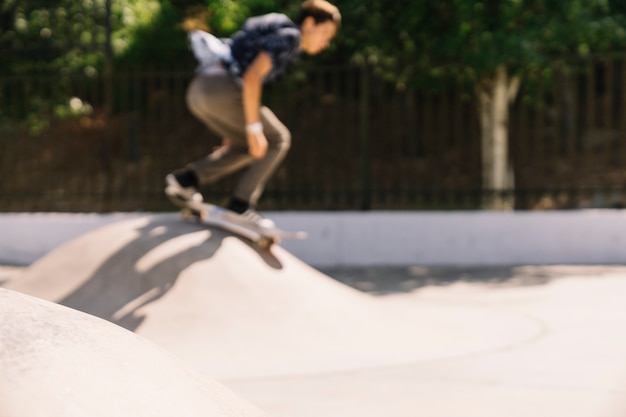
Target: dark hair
<point>320,10</point>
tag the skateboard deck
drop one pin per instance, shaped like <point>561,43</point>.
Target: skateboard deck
<point>212,215</point>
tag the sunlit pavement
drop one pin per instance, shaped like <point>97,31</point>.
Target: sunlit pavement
<point>573,365</point>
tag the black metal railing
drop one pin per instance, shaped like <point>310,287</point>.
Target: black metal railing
<point>87,143</point>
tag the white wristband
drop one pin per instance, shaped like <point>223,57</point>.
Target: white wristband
<point>255,127</point>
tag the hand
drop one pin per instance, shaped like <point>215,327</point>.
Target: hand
<point>257,144</point>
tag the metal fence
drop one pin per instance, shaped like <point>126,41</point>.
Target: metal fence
<point>104,143</point>
<point>569,149</point>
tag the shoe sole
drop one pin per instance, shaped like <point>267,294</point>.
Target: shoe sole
<point>263,224</point>
<point>177,199</point>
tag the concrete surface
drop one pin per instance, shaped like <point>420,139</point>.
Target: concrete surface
<point>575,366</point>
<point>55,361</point>
<point>208,297</point>
<point>381,238</point>
<point>536,341</point>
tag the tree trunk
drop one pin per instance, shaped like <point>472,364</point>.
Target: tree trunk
<point>494,96</point>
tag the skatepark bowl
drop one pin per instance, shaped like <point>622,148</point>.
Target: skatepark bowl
<point>145,305</point>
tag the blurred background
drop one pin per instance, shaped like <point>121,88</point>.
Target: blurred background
<point>418,105</point>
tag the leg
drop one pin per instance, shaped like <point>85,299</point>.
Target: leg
<point>216,101</point>
<point>253,180</point>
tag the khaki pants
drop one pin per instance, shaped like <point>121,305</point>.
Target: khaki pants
<point>216,100</point>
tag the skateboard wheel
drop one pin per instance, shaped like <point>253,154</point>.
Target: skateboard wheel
<point>265,242</point>
<point>203,215</point>
<point>189,214</point>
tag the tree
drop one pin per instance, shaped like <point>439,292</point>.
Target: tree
<point>70,39</point>
<point>490,44</point>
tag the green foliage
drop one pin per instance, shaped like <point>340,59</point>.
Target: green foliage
<point>226,16</point>
<point>469,39</point>
<point>156,40</point>
<point>74,36</point>
<point>37,37</point>
<point>411,41</point>
<point>72,39</point>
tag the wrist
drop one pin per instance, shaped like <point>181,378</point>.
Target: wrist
<point>255,127</point>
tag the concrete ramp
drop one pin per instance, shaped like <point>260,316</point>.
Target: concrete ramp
<point>59,362</point>
<point>233,311</point>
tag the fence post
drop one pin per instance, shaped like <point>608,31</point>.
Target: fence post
<point>364,135</point>
<point>107,198</point>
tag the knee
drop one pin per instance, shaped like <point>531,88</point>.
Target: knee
<point>280,139</point>
<point>284,141</point>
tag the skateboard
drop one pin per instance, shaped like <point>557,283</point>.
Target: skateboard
<point>212,215</point>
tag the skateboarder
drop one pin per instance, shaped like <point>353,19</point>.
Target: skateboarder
<point>226,96</point>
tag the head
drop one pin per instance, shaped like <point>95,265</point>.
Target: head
<point>319,21</point>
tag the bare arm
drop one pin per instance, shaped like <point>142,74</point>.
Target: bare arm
<point>252,90</point>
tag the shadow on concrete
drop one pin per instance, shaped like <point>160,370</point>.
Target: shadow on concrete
<point>119,287</point>
<point>9,272</point>
<point>59,362</point>
<point>390,280</point>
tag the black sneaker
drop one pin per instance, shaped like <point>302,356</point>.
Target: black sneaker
<point>179,194</point>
